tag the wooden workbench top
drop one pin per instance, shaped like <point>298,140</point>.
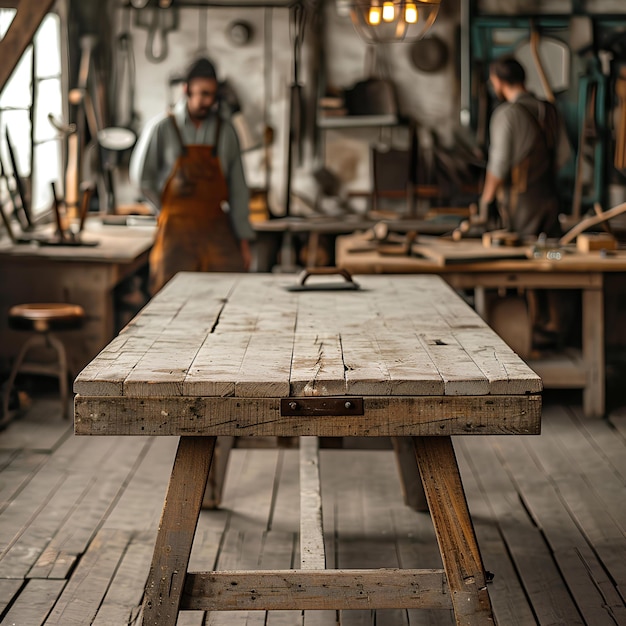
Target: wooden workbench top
<point>245,342</point>
<point>116,244</point>
<point>356,253</point>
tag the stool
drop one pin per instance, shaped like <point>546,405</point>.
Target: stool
<point>43,319</point>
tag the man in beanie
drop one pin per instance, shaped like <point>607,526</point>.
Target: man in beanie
<point>188,164</point>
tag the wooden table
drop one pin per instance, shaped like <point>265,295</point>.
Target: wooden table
<point>84,275</point>
<point>239,355</point>
<point>578,369</point>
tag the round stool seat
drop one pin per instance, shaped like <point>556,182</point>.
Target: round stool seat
<point>44,317</point>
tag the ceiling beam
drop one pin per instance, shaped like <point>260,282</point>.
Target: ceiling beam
<point>29,15</point>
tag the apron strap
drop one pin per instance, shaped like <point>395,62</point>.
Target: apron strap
<point>183,147</point>
<point>218,128</point>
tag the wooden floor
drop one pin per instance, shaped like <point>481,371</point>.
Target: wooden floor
<point>78,518</point>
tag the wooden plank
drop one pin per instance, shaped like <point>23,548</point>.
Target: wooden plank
<point>428,415</point>
<point>508,598</point>
<point>344,589</point>
<point>460,374</point>
<point>45,417</point>
<point>79,602</point>
<point>20,34</point>
<point>36,506</point>
<point>82,521</point>
<point>22,468</point>
<point>453,526</point>
<point>34,602</point>
<point>140,505</point>
<point>603,531</point>
<point>123,597</point>
<point>9,588</point>
<point>503,369</point>
<point>526,545</point>
<point>317,366</point>
<point>448,253</point>
<point>312,552</point>
<point>176,530</point>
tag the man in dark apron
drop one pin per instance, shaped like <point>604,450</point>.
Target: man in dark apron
<point>188,164</point>
<point>527,147</point>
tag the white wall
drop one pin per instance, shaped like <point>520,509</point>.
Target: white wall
<point>260,72</point>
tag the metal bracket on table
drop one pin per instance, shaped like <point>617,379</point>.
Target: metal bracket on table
<point>321,406</point>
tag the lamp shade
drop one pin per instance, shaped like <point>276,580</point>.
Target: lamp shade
<point>388,21</point>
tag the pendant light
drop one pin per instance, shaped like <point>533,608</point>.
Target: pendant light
<point>388,21</point>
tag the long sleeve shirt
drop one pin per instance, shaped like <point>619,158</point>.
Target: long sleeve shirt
<point>158,148</point>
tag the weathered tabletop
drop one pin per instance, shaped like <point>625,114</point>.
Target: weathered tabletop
<point>219,354</point>
<point>210,342</point>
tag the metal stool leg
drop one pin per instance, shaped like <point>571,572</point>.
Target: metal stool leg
<point>30,342</point>
<point>60,349</point>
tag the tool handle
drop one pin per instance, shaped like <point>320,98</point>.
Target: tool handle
<point>324,271</point>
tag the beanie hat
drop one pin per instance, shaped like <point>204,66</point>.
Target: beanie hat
<point>201,68</point>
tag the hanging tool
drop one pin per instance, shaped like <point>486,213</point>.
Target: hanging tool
<point>297,19</point>
<point>534,48</point>
<point>159,22</point>
<point>69,131</point>
<point>60,232</point>
<point>547,63</point>
<point>18,183</point>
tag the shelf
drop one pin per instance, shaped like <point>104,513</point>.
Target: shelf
<point>357,121</point>
<point>562,370</point>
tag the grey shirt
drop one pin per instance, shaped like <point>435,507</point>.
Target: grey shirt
<point>513,134</point>
<point>158,148</point>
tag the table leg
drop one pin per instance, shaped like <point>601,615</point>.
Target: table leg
<point>409,474</point>
<point>453,526</point>
<point>593,351</point>
<point>215,485</point>
<point>176,531</point>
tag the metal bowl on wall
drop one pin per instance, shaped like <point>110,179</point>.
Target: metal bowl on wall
<point>116,143</point>
<point>429,54</point>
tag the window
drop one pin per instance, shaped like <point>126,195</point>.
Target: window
<point>35,90</point>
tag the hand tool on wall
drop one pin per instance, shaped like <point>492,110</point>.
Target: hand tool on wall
<point>535,38</point>
<point>19,185</point>
<point>159,22</point>
<point>60,232</point>
<point>547,63</point>
<point>69,131</point>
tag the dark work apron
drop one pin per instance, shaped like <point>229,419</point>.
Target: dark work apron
<point>530,201</point>
<point>193,232</point>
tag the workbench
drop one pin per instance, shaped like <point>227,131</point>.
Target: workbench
<point>241,355</point>
<point>287,229</point>
<point>471,268</point>
<point>84,275</point>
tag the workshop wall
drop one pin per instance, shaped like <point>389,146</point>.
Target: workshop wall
<point>260,72</point>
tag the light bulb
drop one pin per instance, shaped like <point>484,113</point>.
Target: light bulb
<point>388,12</point>
<point>374,15</point>
<point>410,13</point>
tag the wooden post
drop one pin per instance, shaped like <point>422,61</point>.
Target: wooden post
<point>455,533</point>
<point>176,531</point>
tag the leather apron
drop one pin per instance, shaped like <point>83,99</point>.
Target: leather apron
<point>531,198</point>
<point>194,234</point>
